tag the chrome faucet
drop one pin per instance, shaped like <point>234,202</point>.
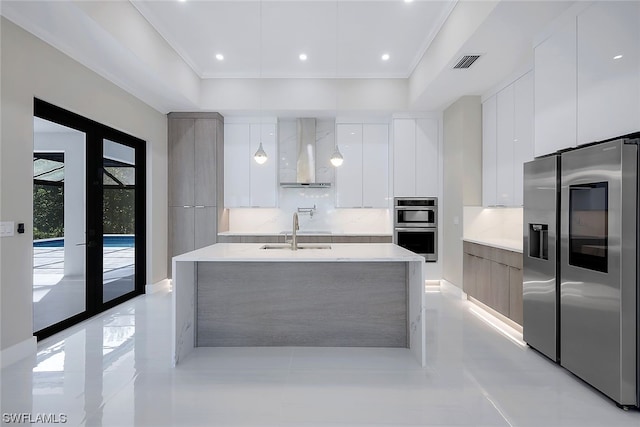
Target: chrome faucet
<point>294,236</point>
<point>309,211</point>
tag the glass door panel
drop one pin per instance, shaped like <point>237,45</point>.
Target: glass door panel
<point>119,220</point>
<point>59,223</point>
<point>88,218</point>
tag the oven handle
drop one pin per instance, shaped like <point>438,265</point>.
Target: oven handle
<point>417,229</point>
<point>416,208</point>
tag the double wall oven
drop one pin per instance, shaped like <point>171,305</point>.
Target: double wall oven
<point>416,225</point>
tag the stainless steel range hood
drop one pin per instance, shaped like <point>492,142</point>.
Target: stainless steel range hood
<point>306,156</point>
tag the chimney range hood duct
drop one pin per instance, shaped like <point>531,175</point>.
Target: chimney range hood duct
<point>306,160</point>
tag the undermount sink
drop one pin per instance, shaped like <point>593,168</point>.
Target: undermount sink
<point>308,232</point>
<point>300,246</point>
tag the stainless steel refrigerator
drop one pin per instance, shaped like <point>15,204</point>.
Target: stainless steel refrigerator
<point>540,286</point>
<point>583,294</point>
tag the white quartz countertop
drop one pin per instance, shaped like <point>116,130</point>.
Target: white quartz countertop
<point>340,252</point>
<point>506,244</point>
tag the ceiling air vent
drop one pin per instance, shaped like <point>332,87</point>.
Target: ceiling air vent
<point>466,61</point>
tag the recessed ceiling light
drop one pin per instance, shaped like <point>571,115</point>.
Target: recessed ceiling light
<point>303,57</point>
<point>219,56</point>
<point>408,1</point>
<point>617,57</point>
<point>182,1</point>
<point>385,57</point>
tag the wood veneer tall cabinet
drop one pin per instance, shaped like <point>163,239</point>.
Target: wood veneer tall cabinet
<point>196,181</point>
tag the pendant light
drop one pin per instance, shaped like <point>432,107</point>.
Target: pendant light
<point>260,156</point>
<point>336,157</point>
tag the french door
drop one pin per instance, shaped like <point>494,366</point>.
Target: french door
<point>89,218</point>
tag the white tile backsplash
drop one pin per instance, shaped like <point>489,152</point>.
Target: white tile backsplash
<point>325,218</point>
<point>487,224</point>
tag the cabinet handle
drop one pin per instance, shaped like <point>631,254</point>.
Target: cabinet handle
<point>187,206</point>
<point>200,207</point>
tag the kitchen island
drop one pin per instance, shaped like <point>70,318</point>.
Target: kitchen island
<point>356,295</point>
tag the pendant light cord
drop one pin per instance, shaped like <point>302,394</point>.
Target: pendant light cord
<point>260,156</point>
<point>336,157</point>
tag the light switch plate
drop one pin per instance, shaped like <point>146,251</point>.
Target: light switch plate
<point>7,228</point>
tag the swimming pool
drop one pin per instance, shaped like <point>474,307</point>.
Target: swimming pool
<point>109,241</point>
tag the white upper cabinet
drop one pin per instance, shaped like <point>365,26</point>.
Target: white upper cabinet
<point>504,149</point>
<point>415,158</point>
<point>489,147</point>
<point>246,183</point>
<point>404,157</point>
<point>507,142</point>
<point>427,162</point>
<point>608,70</point>
<point>375,166</point>
<point>587,77</point>
<point>522,132</point>
<point>264,191</point>
<point>362,180</point>
<point>555,91</point>
<point>237,142</point>
<point>349,174</point>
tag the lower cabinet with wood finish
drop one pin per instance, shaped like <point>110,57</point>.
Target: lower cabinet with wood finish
<point>494,277</point>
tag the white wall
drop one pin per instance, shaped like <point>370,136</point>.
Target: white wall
<point>30,68</point>
<point>279,96</point>
<point>462,178</point>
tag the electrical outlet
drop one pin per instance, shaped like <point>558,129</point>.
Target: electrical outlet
<point>7,228</point>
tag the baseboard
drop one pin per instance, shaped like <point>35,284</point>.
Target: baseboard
<point>17,352</point>
<point>451,289</point>
<point>504,319</point>
<point>158,286</point>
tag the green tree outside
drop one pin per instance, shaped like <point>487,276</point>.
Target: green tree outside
<point>48,211</point>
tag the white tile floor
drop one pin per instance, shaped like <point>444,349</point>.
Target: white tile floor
<point>56,297</point>
<point>114,370</point>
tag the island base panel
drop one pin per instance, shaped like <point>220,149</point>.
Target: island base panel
<point>328,304</point>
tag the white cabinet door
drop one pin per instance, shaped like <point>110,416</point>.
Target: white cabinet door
<point>263,191</point>
<point>489,145</point>
<point>523,132</point>
<point>504,146</point>
<point>375,166</point>
<point>555,91</point>
<point>426,158</point>
<point>404,157</point>
<point>349,174</point>
<point>237,190</point>
<point>608,70</point>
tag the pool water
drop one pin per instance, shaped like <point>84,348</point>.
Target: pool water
<point>109,241</point>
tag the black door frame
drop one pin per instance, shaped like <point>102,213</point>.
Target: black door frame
<point>96,133</point>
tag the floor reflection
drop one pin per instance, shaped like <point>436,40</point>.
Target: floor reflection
<point>115,370</point>
<point>57,297</point>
